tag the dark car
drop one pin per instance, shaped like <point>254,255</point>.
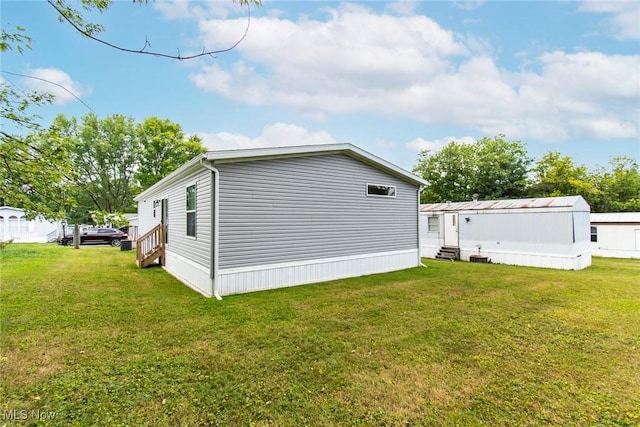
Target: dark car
<point>96,236</point>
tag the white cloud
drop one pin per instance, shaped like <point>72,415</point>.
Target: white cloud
<point>174,9</point>
<point>436,145</point>
<point>57,83</point>
<point>607,127</point>
<point>357,61</point>
<point>572,92</point>
<point>199,10</point>
<point>468,4</point>
<point>623,17</point>
<point>275,135</point>
<point>403,7</point>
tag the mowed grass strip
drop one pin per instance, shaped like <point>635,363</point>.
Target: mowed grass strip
<point>87,336</point>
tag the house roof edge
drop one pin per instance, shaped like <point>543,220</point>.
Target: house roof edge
<point>250,154</point>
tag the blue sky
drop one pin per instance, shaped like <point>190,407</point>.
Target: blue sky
<point>390,77</point>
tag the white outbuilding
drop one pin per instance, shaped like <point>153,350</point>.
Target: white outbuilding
<point>551,232</point>
<point>615,234</point>
<point>15,226</point>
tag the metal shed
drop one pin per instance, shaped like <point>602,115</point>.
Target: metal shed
<point>238,221</point>
<point>551,232</point>
<point>615,234</point>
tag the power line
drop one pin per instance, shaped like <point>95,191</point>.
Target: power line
<point>50,82</point>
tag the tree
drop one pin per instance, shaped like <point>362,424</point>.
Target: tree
<point>104,153</point>
<point>449,173</point>
<point>501,168</point>
<point>163,148</point>
<point>619,188</point>
<point>557,175</point>
<point>34,172</point>
<point>493,168</point>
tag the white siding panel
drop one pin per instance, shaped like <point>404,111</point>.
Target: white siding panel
<point>521,226</point>
<point>146,220</point>
<point>617,240</point>
<point>263,277</point>
<point>572,261</point>
<point>188,272</point>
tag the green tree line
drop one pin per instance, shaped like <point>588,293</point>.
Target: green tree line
<point>103,164</point>
<point>495,168</point>
<point>75,166</point>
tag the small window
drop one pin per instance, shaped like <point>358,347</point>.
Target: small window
<point>433,224</point>
<point>191,210</point>
<point>381,190</point>
<point>594,234</point>
<point>156,204</point>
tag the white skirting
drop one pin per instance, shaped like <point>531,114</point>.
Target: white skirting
<point>577,260</point>
<point>613,253</point>
<point>188,272</point>
<point>262,277</point>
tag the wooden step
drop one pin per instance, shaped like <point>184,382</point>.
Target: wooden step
<point>150,257</point>
<point>150,247</point>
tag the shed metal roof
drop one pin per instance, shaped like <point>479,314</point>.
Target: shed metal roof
<point>484,205</point>
<point>617,217</point>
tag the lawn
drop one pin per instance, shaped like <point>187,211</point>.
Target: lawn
<point>88,339</point>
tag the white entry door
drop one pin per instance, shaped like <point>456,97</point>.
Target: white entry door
<point>451,229</point>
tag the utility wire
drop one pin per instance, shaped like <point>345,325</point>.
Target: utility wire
<point>50,82</point>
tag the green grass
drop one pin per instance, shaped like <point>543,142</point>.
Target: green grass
<point>89,337</point>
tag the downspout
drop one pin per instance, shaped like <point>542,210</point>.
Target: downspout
<point>419,245</point>
<point>215,221</point>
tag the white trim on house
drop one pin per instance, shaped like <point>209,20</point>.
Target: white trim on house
<point>263,277</point>
<point>188,272</point>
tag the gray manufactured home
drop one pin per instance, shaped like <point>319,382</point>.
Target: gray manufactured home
<point>238,221</point>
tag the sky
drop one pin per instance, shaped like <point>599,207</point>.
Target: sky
<point>393,78</point>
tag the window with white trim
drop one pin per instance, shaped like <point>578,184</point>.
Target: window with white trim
<point>433,224</point>
<point>377,190</point>
<point>594,234</point>
<point>191,210</point>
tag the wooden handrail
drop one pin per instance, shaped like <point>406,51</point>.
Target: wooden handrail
<point>150,246</point>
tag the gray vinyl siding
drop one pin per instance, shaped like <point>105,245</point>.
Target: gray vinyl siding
<point>302,208</point>
<point>196,249</point>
